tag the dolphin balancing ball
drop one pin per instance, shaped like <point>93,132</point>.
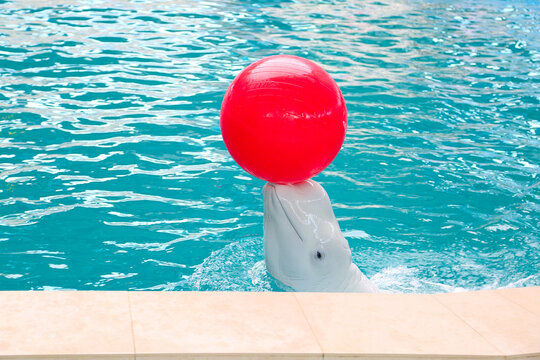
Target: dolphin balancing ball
<point>283,119</point>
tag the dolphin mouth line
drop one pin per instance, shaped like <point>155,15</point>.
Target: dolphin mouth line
<point>286,215</point>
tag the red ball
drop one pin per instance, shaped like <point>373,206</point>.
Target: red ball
<point>283,119</point>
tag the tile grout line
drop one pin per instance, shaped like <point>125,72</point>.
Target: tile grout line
<point>502,353</point>
<point>515,303</point>
<point>309,324</point>
<point>132,328</point>
<point>513,356</point>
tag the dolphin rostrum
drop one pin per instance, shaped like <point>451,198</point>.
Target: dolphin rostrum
<point>303,244</point>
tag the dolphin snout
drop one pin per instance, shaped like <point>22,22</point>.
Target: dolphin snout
<point>269,191</point>
<point>268,187</point>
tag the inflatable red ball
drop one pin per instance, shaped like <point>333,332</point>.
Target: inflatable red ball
<point>283,119</point>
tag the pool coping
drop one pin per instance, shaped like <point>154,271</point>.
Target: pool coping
<point>490,324</point>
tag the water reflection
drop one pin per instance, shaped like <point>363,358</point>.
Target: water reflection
<point>111,157</point>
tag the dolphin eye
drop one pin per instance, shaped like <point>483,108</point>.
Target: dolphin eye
<point>319,255</point>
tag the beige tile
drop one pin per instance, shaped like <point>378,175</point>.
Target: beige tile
<point>65,323</point>
<point>224,356</point>
<point>524,357</point>
<point>528,297</point>
<point>70,357</point>
<point>508,326</point>
<point>389,324</point>
<point>410,357</point>
<point>209,324</point>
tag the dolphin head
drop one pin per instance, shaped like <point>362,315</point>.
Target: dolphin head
<point>303,244</point>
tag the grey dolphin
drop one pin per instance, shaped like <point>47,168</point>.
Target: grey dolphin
<point>303,244</point>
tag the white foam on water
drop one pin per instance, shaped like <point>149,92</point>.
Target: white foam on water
<point>238,266</point>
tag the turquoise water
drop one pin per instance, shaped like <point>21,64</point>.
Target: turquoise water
<point>113,173</point>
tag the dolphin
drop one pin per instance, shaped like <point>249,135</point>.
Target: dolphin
<point>303,244</point>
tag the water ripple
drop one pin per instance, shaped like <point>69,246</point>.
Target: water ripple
<point>113,173</point>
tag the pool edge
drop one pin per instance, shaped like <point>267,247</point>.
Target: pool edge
<point>489,324</point>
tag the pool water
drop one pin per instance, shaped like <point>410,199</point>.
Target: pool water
<point>114,176</point>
